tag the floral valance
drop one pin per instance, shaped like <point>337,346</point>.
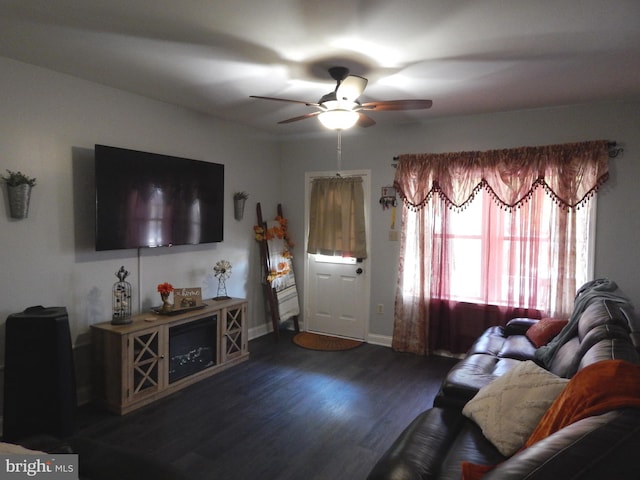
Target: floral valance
<point>570,173</point>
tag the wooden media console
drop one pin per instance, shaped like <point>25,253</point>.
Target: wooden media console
<point>156,355</point>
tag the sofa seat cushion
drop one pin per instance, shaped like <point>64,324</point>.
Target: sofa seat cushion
<point>491,355</point>
<point>509,408</point>
<point>469,375</point>
<point>418,451</point>
<point>470,446</point>
<point>490,342</point>
<point>433,447</point>
<point>493,341</point>
<point>518,347</point>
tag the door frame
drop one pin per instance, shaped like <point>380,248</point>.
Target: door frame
<point>366,185</point>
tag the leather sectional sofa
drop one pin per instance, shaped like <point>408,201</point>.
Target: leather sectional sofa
<point>604,445</point>
<point>100,461</point>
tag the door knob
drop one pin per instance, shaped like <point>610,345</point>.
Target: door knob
<point>359,271</point>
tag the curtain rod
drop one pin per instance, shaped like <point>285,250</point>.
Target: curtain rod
<point>614,151</point>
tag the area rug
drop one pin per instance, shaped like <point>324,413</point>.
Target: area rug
<point>314,341</point>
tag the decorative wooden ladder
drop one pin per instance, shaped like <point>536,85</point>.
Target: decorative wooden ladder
<point>269,291</point>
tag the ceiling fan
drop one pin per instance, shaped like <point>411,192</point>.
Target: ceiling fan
<point>340,109</point>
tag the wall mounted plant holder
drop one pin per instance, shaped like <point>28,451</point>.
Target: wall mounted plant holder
<point>19,190</point>
<point>19,197</point>
<point>239,200</point>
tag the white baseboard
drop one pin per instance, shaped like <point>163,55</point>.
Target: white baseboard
<point>382,340</point>
<point>374,339</point>
<point>259,331</point>
<point>267,328</point>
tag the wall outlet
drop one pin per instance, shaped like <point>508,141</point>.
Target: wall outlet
<point>393,235</point>
<point>380,308</point>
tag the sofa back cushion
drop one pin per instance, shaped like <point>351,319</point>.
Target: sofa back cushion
<point>600,313</point>
<point>610,349</point>
<point>599,339</point>
<point>628,315</point>
<point>601,322</point>
<point>597,447</point>
<point>564,358</point>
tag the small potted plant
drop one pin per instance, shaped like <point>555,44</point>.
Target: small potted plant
<point>19,188</point>
<point>239,199</point>
<point>165,290</point>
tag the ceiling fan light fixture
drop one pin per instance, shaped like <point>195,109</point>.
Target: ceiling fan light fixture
<point>341,109</point>
<point>338,119</point>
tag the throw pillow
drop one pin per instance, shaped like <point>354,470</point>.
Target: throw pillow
<point>474,471</point>
<point>13,449</point>
<point>509,408</point>
<point>543,331</point>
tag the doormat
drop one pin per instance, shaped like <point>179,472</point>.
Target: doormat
<point>314,341</point>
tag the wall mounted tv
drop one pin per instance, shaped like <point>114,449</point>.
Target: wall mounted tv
<point>151,200</point>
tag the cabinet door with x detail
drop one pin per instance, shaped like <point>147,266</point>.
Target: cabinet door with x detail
<point>234,332</point>
<point>146,353</point>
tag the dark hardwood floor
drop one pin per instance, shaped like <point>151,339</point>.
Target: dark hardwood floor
<point>287,413</point>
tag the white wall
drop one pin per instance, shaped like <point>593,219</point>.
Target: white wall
<point>374,148</point>
<point>48,128</point>
<point>50,123</point>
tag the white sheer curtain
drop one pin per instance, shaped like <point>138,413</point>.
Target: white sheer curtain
<point>489,236</point>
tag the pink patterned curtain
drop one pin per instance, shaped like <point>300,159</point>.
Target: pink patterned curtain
<point>525,250</point>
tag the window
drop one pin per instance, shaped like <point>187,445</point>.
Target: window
<point>490,236</point>
<point>502,257</point>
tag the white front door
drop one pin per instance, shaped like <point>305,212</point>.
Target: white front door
<point>336,290</point>
<point>337,297</point>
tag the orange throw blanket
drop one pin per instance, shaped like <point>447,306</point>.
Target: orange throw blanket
<point>594,390</point>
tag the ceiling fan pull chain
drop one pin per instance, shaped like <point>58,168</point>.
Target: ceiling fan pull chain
<point>339,152</point>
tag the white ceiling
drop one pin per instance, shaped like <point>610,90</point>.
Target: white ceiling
<point>468,56</point>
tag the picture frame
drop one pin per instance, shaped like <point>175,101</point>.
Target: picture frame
<point>388,191</point>
<point>184,298</point>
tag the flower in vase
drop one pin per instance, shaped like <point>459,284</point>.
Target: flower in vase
<point>165,288</point>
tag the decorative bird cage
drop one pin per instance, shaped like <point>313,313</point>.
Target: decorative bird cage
<point>121,295</point>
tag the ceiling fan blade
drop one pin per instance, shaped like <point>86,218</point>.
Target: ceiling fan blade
<point>351,88</point>
<point>301,117</point>
<point>309,104</point>
<point>365,120</point>
<point>397,105</point>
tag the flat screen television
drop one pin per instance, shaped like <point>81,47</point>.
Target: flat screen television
<point>151,200</point>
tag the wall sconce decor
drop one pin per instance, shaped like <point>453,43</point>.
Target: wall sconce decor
<point>19,189</point>
<point>239,199</point>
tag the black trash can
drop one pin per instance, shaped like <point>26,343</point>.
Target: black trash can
<point>39,374</point>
